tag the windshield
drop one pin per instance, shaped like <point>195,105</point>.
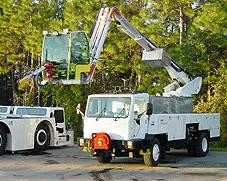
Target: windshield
<point>3,110</point>
<point>109,107</point>
<point>55,48</point>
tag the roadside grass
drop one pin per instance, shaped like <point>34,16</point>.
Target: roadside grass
<point>218,149</point>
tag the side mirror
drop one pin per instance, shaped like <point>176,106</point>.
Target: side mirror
<point>149,109</point>
<point>78,109</point>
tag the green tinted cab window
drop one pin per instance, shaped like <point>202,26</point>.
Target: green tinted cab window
<point>55,48</point>
<point>79,48</point>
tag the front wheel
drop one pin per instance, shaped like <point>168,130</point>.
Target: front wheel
<point>42,137</point>
<point>153,158</point>
<point>3,139</point>
<point>104,159</point>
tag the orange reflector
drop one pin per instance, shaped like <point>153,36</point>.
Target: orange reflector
<point>101,141</point>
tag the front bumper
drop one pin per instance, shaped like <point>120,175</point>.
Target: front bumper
<point>115,144</point>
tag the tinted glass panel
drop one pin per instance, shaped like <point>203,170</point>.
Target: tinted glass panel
<point>32,111</point>
<point>59,116</point>
<point>139,106</point>
<point>55,49</point>
<point>80,48</point>
<point>3,110</point>
<point>109,107</point>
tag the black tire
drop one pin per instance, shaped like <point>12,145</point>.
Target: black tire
<point>153,158</point>
<point>3,139</point>
<point>104,159</point>
<point>202,145</point>
<point>191,150</point>
<point>42,137</point>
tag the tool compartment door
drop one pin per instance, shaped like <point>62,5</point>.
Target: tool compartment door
<point>176,130</point>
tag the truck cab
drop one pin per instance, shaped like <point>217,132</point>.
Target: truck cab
<point>105,113</point>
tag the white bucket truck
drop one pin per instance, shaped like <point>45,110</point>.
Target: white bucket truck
<point>136,125</point>
<point>139,125</point>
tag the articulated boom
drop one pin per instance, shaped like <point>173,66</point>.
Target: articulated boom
<point>73,67</point>
<point>183,85</point>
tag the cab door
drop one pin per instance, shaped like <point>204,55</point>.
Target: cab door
<point>80,58</point>
<point>139,117</point>
<point>60,121</point>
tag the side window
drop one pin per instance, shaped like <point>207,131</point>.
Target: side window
<point>59,116</point>
<point>80,48</point>
<point>3,109</point>
<point>31,111</point>
<point>139,106</point>
<point>93,107</point>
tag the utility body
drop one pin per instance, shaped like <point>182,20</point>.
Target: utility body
<point>38,128</point>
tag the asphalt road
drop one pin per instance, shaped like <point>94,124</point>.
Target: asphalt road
<point>70,163</point>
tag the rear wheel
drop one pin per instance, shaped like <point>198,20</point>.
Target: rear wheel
<point>153,158</point>
<point>3,139</point>
<point>42,137</point>
<point>202,145</point>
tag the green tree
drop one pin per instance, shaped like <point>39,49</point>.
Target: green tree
<point>218,100</point>
<point>21,25</point>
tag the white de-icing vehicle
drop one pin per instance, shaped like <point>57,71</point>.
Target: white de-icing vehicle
<point>140,125</point>
<point>24,128</point>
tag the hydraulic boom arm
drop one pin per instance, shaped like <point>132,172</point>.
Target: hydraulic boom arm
<point>183,84</point>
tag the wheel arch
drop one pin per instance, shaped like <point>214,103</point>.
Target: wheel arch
<point>6,127</point>
<point>51,129</point>
<point>4,137</point>
<point>162,137</point>
<point>205,131</point>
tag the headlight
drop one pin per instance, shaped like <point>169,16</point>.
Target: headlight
<point>81,142</point>
<point>130,144</point>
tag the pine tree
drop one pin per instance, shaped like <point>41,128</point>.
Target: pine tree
<point>21,24</point>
